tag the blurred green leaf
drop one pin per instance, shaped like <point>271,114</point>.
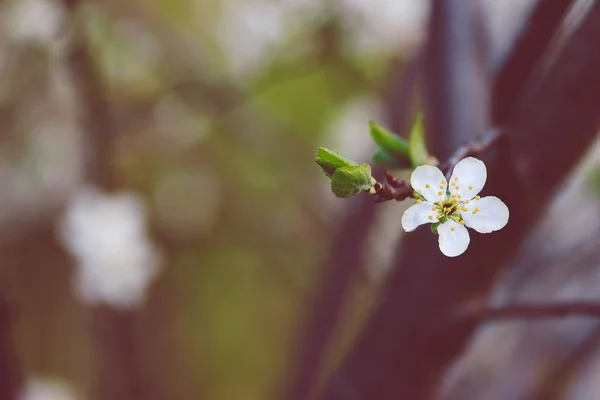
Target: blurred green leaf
<point>383,158</point>
<point>594,180</point>
<point>330,161</point>
<point>305,101</point>
<point>351,180</point>
<point>418,148</point>
<point>388,141</point>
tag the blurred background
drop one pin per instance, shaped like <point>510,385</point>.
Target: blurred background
<point>163,226</point>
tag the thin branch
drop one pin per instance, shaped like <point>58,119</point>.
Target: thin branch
<point>539,311</point>
<point>399,190</point>
<point>475,149</point>
<point>95,106</point>
<point>392,189</point>
<point>557,380</point>
<point>11,375</point>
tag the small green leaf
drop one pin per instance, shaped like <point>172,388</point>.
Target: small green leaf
<point>383,158</point>
<point>388,141</point>
<point>416,141</point>
<point>330,161</point>
<point>434,227</point>
<point>351,180</point>
<point>594,180</point>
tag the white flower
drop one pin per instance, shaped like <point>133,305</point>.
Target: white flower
<point>116,260</point>
<point>456,206</point>
<point>38,388</point>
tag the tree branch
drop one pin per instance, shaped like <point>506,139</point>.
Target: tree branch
<point>411,338</point>
<point>11,376</point>
<point>557,380</point>
<point>455,80</point>
<point>531,46</point>
<point>538,311</point>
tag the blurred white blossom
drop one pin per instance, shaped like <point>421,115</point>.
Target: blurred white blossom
<point>248,30</point>
<point>384,26</point>
<point>106,233</point>
<point>252,32</point>
<point>37,388</point>
<point>37,21</point>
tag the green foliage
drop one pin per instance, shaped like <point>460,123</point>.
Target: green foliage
<point>416,142</point>
<point>330,161</point>
<point>388,141</point>
<point>594,180</point>
<point>351,180</point>
<point>305,101</point>
<point>383,158</point>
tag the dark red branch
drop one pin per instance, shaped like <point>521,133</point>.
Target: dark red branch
<point>537,311</point>
<point>531,45</point>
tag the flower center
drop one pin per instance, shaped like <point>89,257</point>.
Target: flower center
<point>449,209</point>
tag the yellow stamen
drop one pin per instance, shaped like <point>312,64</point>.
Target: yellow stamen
<point>433,208</point>
<point>431,217</point>
<point>465,209</point>
<point>456,178</point>
<point>477,197</point>
<point>441,186</point>
<point>457,188</point>
<point>467,201</point>
<point>462,222</point>
<point>440,203</point>
<point>428,186</point>
<point>458,196</point>
<point>439,193</point>
<point>470,187</point>
<point>452,228</point>
<point>418,201</point>
<point>453,184</point>
<point>443,182</point>
<point>454,201</point>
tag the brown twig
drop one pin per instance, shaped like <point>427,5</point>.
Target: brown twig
<point>392,189</point>
<point>540,311</point>
<point>397,189</point>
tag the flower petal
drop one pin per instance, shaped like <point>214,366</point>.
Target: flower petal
<point>417,215</point>
<point>468,178</point>
<point>492,214</point>
<point>429,182</point>
<point>454,238</point>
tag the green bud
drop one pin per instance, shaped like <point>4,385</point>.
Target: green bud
<point>350,180</point>
<point>330,161</point>
<point>416,142</point>
<point>388,141</point>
